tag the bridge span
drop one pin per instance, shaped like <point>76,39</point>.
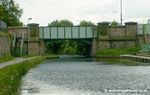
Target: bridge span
<point>74,32</point>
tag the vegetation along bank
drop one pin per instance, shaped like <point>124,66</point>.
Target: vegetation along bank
<point>10,76</point>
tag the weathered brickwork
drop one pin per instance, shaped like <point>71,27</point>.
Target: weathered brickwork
<point>108,37</point>
<point>31,46</point>
<point>4,45</point>
<point>111,37</point>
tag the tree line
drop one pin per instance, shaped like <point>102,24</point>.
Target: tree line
<point>10,12</point>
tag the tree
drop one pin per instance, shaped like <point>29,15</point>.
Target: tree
<point>114,23</point>
<point>61,23</point>
<point>10,12</point>
<point>66,23</point>
<point>86,23</point>
<point>54,23</point>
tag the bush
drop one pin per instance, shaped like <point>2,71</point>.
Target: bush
<point>117,52</point>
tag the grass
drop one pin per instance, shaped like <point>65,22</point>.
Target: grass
<point>118,61</point>
<point>113,56</point>
<point>5,59</point>
<point>116,52</point>
<point>10,76</point>
<point>50,56</point>
<point>27,56</point>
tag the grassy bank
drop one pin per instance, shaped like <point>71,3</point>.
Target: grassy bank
<point>50,56</point>
<point>112,56</point>
<point>118,61</point>
<point>10,76</point>
<point>5,59</point>
<point>116,52</point>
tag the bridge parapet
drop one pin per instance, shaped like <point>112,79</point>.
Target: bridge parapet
<point>74,32</point>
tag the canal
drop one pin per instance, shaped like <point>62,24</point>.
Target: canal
<point>74,75</point>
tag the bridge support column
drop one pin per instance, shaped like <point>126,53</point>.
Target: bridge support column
<point>33,39</point>
<point>94,46</point>
<point>131,31</point>
<point>99,43</point>
<point>42,47</point>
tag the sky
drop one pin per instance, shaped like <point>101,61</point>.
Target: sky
<point>46,11</point>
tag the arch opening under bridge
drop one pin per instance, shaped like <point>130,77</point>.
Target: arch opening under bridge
<point>82,36</point>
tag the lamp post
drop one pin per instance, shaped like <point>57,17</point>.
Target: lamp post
<point>121,20</point>
<point>28,32</point>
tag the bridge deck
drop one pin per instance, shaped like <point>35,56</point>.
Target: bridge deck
<point>73,32</point>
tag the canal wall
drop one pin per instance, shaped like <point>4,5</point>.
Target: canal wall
<point>4,44</point>
<point>112,37</point>
<point>32,45</point>
<point>17,33</point>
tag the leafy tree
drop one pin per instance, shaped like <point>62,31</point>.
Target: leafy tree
<point>66,23</point>
<point>54,23</point>
<point>86,23</point>
<point>61,23</point>
<point>114,23</point>
<point>10,12</point>
<point>53,47</point>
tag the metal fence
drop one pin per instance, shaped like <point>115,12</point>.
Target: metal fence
<point>3,26</point>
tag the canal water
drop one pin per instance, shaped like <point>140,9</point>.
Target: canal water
<point>76,75</point>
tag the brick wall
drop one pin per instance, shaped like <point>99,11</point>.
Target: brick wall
<point>4,45</point>
<point>117,36</point>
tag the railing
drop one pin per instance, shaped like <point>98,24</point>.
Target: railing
<point>3,26</point>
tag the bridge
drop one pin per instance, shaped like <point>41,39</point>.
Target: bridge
<point>74,32</point>
<point>32,39</point>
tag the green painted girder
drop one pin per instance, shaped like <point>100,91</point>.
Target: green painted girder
<point>74,32</point>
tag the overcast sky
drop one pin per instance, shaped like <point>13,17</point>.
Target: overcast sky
<point>45,11</point>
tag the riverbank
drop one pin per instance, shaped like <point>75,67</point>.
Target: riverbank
<point>10,76</point>
<point>5,59</point>
<point>112,56</point>
<point>117,52</point>
<point>121,61</point>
